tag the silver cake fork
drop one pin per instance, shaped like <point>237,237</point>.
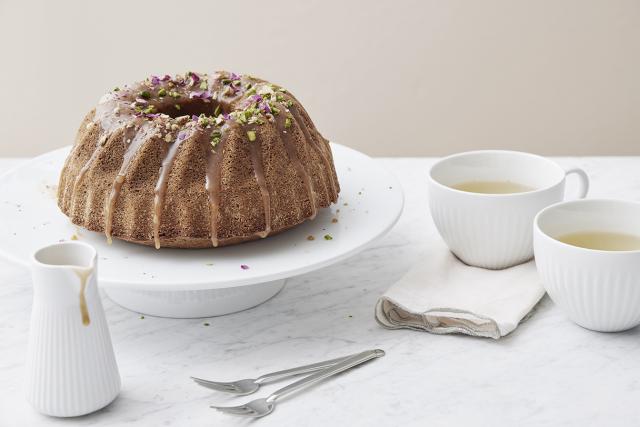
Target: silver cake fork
<point>261,407</point>
<point>248,386</point>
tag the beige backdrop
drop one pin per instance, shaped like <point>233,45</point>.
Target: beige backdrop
<point>395,78</point>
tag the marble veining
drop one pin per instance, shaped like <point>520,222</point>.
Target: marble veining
<point>549,372</point>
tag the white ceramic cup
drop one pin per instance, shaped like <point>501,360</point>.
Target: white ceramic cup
<point>494,230</point>
<point>599,290</point>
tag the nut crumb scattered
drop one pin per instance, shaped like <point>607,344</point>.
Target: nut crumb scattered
<point>310,237</point>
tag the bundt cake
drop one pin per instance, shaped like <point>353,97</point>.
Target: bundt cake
<point>197,161</point>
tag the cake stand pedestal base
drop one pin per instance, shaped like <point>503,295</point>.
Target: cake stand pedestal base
<point>195,304</point>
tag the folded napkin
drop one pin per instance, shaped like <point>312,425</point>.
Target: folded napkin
<point>443,295</point>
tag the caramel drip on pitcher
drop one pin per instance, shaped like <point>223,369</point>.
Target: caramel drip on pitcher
<point>160,189</point>
<point>290,148</point>
<point>258,172</point>
<point>84,275</point>
<point>130,152</point>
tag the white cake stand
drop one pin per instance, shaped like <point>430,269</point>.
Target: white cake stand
<point>186,283</point>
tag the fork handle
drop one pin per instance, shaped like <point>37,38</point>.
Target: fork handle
<point>305,369</point>
<point>348,363</point>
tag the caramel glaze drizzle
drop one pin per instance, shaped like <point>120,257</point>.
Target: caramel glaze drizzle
<point>130,152</point>
<point>105,118</point>
<point>160,189</point>
<point>258,171</point>
<point>213,183</point>
<point>297,164</point>
<point>316,145</point>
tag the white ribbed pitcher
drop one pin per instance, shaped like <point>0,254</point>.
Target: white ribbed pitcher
<point>71,368</point>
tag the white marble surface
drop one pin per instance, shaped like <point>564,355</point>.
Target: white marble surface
<point>549,372</point>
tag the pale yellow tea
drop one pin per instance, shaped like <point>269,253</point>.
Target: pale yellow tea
<point>492,187</point>
<point>602,240</point>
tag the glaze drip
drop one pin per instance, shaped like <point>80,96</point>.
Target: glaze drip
<point>83,274</point>
<point>160,189</point>
<point>290,147</point>
<point>258,171</point>
<point>213,184</point>
<point>316,145</point>
<point>131,150</point>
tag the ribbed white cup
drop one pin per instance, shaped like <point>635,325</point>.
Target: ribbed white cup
<point>598,290</point>
<point>494,230</point>
<point>71,367</point>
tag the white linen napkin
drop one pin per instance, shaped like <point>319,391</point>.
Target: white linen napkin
<point>443,295</point>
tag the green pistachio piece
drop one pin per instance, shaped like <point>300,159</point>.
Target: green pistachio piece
<point>251,135</point>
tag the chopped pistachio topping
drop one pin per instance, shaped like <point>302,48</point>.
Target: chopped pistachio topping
<point>287,122</point>
<point>217,110</point>
<point>216,134</point>
<point>145,94</point>
<point>174,94</point>
<point>116,89</point>
<point>205,121</point>
<point>162,92</point>
<point>177,107</point>
<point>251,135</point>
<point>328,237</point>
<point>204,85</point>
